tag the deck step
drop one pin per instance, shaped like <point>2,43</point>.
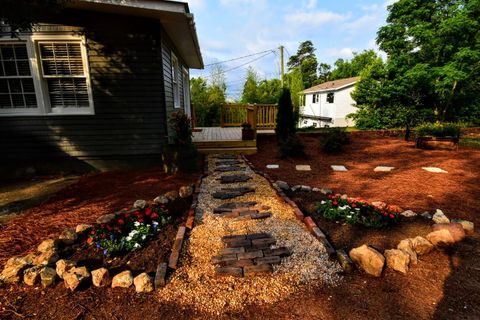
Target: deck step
<point>237,150</point>
<point>225,144</point>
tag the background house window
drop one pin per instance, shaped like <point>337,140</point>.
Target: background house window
<point>17,91</point>
<point>314,98</point>
<point>175,82</point>
<point>64,74</point>
<point>330,97</point>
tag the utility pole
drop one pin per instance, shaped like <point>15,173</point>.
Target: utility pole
<point>282,64</point>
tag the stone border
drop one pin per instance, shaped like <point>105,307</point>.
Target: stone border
<point>309,223</point>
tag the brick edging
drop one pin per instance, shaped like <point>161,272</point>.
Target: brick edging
<point>308,221</point>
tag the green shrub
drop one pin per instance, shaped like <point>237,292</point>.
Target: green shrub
<point>438,130</point>
<point>285,126</point>
<point>333,140</point>
<point>291,147</point>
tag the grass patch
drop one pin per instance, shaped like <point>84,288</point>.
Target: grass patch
<point>470,142</point>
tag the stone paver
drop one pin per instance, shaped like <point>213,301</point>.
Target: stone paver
<point>383,169</point>
<point>303,167</point>
<point>273,166</point>
<point>434,170</point>
<point>338,168</point>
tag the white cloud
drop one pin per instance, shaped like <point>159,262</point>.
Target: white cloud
<point>311,4</point>
<point>315,19</point>
<point>345,53</point>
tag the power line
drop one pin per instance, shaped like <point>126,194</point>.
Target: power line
<point>242,65</point>
<point>239,58</point>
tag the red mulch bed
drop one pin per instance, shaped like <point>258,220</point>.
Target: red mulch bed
<point>93,195</point>
<point>408,186</point>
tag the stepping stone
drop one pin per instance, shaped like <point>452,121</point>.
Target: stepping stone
<point>228,162</point>
<point>338,168</point>
<point>235,178</point>
<point>273,166</point>
<point>229,207</point>
<point>434,170</point>
<point>303,167</point>
<point>230,193</point>
<point>383,169</point>
<point>226,156</point>
<point>229,168</point>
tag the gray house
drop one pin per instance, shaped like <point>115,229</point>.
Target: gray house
<point>95,83</point>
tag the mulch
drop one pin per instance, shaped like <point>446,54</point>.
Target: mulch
<point>93,195</point>
<point>408,185</point>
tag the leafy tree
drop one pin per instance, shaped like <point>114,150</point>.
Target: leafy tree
<point>294,81</point>
<point>269,91</point>
<point>306,61</point>
<point>324,73</point>
<point>250,87</point>
<point>288,142</point>
<point>353,68</point>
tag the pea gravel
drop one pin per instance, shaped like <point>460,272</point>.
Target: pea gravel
<point>194,283</point>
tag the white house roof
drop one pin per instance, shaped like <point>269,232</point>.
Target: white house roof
<point>174,16</point>
<point>332,85</point>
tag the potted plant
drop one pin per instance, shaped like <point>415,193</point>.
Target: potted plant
<point>248,133</point>
<point>437,136</point>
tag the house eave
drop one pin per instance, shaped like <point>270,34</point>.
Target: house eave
<point>175,17</point>
<point>329,90</point>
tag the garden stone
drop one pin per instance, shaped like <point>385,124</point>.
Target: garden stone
<point>75,277</point>
<point>235,178</point>
<point>344,197</point>
<point>306,188</point>
<point>383,169</point>
<point>455,229</point>
<point>434,170</point>
<point>228,207</point>
<point>68,236</point>
<point>406,245</point>
<point>379,204</point>
<point>123,280</point>
<point>316,190</point>
<point>229,168</point>
<point>101,277</point>
<point>369,259</point>
<point>282,185</point>
<point>338,168</point>
<point>273,166</point>
<point>440,217</point>
<point>440,238</point>
<point>185,191</point>
<point>106,218</point>
<point>48,276</point>
<point>326,191</point>
<point>47,258</point>
<point>426,215</point>
<point>468,226</point>
<point>303,167</point>
<point>64,266</point>
<point>140,204</point>
<point>81,228</point>
<point>31,275</point>
<point>421,245</point>
<point>13,268</point>
<point>172,195</point>
<point>161,199</point>
<point>398,260</point>
<point>47,245</point>
<point>408,214</point>
<point>297,187</point>
<point>143,283</point>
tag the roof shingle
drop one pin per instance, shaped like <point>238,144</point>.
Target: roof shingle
<point>331,85</point>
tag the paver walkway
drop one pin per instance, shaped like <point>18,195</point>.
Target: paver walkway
<point>276,244</point>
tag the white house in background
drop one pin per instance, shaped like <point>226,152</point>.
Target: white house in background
<point>328,104</point>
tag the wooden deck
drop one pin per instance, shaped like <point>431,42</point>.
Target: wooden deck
<point>223,140</point>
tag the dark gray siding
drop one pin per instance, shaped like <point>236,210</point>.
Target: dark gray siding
<point>126,71</point>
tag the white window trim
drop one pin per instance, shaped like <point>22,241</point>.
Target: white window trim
<point>187,99</point>
<point>41,92</point>
<point>175,81</point>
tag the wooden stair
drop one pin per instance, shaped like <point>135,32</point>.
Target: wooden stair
<point>227,146</point>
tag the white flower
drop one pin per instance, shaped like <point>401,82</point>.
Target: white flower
<point>136,223</point>
<point>144,237</point>
<point>136,245</point>
<point>155,223</point>
<point>128,238</point>
<point>323,202</point>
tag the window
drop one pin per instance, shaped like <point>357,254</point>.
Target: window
<point>17,91</point>
<point>44,75</point>
<point>175,82</point>
<point>330,97</point>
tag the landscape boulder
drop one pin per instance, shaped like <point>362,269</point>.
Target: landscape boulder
<point>282,185</point>
<point>440,238</point>
<point>161,199</point>
<point>81,228</point>
<point>369,259</point>
<point>440,217</point>
<point>101,277</point>
<point>408,214</point>
<point>172,195</point>
<point>31,275</point>
<point>14,267</point>
<point>68,236</point>
<point>406,245</point>
<point>106,218</point>
<point>468,226</point>
<point>140,204</point>
<point>75,277</point>
<point>185,191</point>
<point>46,258</point>
<point>143,283</point>
<point>47,245</point>
<point>398,260</point>
<point>48,276</point>
<point>63,266</point>
<point>122,280</point>
<point>421,245</point>
<point>455,229</point>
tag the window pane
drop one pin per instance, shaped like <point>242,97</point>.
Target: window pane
<point>30,100</point>
<point>17,100</point>
<point>67,93</point>
<point>23,68</point>
<point>5,101</point>
<point>15,85</point>
<point>7,52</point>
<point>10,68</point>
<point>28,85</point>
<point>61,59</point>
<point>20,52</point>
<point>4,86</point>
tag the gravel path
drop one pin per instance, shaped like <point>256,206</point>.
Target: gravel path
<point>195,283</point>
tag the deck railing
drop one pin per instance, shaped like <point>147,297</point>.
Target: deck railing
<point>260,116</point>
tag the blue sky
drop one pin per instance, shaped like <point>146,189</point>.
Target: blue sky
<point>232,28</point>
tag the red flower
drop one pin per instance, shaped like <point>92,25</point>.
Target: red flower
<point>334,203</point>
<point>104,236</point>
<point>154,215</point>
<point>89,240</point>
<point>392,216</point>
<point>127,214</point>
<point>140,220</point>
<point>354,205</point>
<point>109,228</point>
<point>137,213</point>
<point>120,221</point>
<point>92,232</point>
<point>148,211</point>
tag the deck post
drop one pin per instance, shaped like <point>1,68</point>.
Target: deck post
<point>222,120</point>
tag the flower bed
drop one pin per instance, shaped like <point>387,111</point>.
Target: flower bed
<point>358,211</point>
